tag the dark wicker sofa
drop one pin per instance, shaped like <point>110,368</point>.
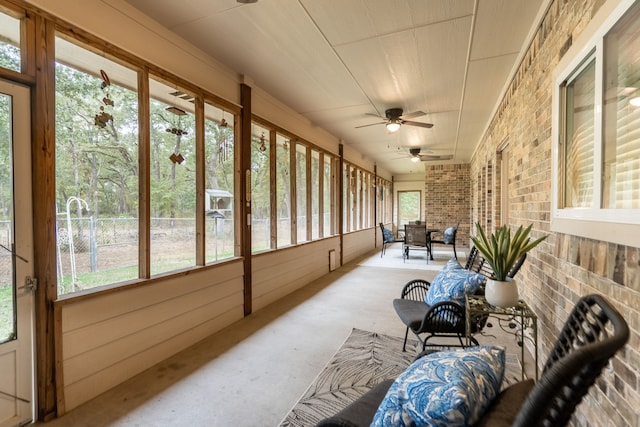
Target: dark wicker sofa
<point>592,334</point>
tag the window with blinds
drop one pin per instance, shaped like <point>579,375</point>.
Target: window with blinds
<point>596,183</point>
<point>621,131</point>
<point>579,138</point>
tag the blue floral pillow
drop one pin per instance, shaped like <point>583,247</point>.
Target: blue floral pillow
<point>447,388</point>
<point>452,264</point>
<point>388,236</point>
<point>449,236</point>
<point>453,284</point>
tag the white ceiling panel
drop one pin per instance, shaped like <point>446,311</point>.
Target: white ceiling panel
<point>485,80</point>
<point>442,50</point>
<point>278,60</point>
<point>495,37</point>
<point>172,13</point>
<point>333,61</point>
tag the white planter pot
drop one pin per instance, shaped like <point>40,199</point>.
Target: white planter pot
<point>501,294</point>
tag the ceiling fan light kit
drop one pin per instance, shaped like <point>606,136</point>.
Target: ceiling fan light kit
<point>393,125</point>
<point>416,156</point>
<point>394,119</point>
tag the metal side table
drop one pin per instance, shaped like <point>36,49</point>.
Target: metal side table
<point>514,320</point>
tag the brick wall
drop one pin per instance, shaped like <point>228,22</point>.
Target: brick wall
<point>563,267</point>
<point>447,200</point>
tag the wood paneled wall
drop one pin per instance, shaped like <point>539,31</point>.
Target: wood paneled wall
<point>109,338</point>
<point>358,243</point>
<point>277,274</point>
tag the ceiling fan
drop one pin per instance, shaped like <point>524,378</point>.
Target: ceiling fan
<point>417,157</point>
<point>394,119</point>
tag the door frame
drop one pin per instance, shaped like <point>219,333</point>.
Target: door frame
<point>23,250</point>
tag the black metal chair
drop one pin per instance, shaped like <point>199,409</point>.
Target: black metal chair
<point>446,318</point>
<point>415,237</point>
<point>387,238</point>
<point>590,337</point>
<point>448,238</point>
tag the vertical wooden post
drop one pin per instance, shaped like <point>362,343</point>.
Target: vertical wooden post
<point>321,185</point>
<point>44,217</point>
<point>341,200</point>
<point>245,195</point>
<point>200,182</point>
<point>144,176</point>
<point>376,216</point>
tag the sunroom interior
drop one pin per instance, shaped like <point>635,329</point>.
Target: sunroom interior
<point>155,196</point>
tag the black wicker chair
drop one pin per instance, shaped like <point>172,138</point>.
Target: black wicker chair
<point>591,336</point>
<point>446,318</point>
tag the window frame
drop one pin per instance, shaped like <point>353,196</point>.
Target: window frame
<point>295,142</point>
<point>146,71</point>
<point>357,196</point>
<point>399,221</point>
<point>610,225</point>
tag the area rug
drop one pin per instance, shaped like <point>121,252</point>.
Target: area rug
<point>417,260</point>
<point>364,360</point>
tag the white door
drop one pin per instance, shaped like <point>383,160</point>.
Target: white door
<point>16,258</point>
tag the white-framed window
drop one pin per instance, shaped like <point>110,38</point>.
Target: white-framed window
<point>596,129</point>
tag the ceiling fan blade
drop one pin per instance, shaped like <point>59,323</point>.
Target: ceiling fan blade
<point>375,115</point>
<point>430,158</point>
<point>412,115</point>
<point>419,124</point>
<point>370,124</point>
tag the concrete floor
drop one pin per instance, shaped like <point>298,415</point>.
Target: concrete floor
<point>252,373</point>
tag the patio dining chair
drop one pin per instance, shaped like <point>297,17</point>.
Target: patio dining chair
<point>387,238</point>
<point>448,238</point>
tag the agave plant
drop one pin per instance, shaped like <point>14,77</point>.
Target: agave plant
<point>502,250</point>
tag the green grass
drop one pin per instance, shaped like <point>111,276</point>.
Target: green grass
<point>6,312</point>
<point>89,280</point>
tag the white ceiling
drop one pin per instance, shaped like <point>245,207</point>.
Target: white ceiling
<point>335,61</point>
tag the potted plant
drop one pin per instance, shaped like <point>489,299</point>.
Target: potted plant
<point>501,251</point>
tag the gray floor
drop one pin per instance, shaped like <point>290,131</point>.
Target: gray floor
<point>252,373</point>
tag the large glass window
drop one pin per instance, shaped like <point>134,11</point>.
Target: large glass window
<point>96,169</point>
<point>327,206</point>
<point>621,140</point>
<point>579,152</point>
<point>352,193</point>
<point>10,56</point>
<point>301,192</point>
<point>7,237</point>
<point>315,194</point>
<point>357,198</point>
<point>596,182</point>
<point>367,205</point>
<point>408,207</point>
<point>283,189</point>
<point>260,189</point>
<point>346,183</point>
<point>384,201</point>
<point>173,178</point>
<point>219,183</point>
<point>388,202</point>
